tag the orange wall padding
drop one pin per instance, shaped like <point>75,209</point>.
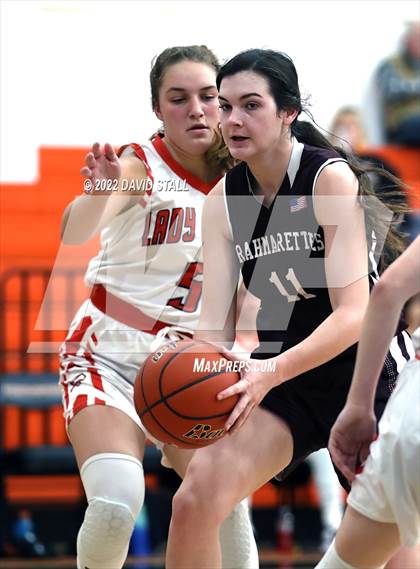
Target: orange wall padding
<point>31,213</point>
<point>35,489</point>
<point>32,427</point>
<point>406,162</point>
<point>30,237</point>
<point>270,496</point>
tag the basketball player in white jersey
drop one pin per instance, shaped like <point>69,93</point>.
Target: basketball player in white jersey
<point>384,503</point>
<point>145,281</point>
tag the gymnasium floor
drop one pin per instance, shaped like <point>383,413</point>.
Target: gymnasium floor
<point>268,560</point>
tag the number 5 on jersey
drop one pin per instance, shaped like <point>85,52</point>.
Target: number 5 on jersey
<point>189,303</point>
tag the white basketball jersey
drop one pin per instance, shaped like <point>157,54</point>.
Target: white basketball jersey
<point>150,255</point>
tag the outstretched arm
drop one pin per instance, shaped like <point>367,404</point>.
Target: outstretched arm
<point>355,427</point>
<point>85,216</point>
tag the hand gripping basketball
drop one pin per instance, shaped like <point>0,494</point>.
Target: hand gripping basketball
<point>175,393</point>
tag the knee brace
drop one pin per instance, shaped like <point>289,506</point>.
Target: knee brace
<point>114,486</point>
<point>103,539</point>
<point>237,541</point>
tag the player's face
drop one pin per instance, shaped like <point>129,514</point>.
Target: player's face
<point>250,120</point>
<point>413,40</point>
<point>188,106</point>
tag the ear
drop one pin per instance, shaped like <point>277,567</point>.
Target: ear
<point>289,116</point>
<point>158,113</point>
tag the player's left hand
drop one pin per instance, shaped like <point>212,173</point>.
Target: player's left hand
<point>251,388</point>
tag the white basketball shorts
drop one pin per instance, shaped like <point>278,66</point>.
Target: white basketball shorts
<point>388,489</point>
<point>100,359</point>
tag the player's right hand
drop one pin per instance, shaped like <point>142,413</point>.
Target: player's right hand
<point>101,164</point>
<point>351,437</point>
<point>251,388</point>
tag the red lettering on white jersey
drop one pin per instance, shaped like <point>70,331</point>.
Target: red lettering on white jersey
<point>168,226</point>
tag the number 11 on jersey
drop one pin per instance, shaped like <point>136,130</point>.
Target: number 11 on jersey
<point>292,278</point>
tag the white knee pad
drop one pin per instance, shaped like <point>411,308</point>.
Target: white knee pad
<point>332,560</point>
<point>103,539</point>
<point>114,486</point>
<point>237,541</point>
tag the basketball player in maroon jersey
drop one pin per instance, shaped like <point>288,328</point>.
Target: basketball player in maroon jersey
<point>288,218</point>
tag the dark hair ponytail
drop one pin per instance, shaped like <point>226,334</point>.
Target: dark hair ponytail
<point>393,196</point>
<point>280,73</point>
<point>305,132</point>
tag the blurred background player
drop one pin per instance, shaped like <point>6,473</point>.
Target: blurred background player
<point>347,125</point>
<point>412,313</point>
<point>398,85</point>
<point>384,503</point>
<point>348,132</point>
<point>146,280</point>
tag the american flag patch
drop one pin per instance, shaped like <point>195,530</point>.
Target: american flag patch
<point>296,204</point>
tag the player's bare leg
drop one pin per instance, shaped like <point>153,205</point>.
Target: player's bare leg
<point>407,557</point>
<point>101,428</point>
<point>217,479</point>
<point>238,546</point>
<point>361,542</point>
<point>178,458</point>
<point>109,448</point>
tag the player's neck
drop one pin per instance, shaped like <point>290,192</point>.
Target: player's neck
<point>269,169</point>
<point>197,165</point>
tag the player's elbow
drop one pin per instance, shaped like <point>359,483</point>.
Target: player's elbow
<point>352,317</point>
<point>71,237</point>
<point>72,240</point>
<point>386,292</point>
<point>72,233</point>
<point>356,323</point>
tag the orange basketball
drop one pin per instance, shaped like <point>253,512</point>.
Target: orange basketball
<point>175,393</point>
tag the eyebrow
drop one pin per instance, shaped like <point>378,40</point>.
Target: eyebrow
<point>245,96</point>
<point>182,89</point>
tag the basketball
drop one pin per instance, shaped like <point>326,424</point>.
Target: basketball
<point>175,393</point>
